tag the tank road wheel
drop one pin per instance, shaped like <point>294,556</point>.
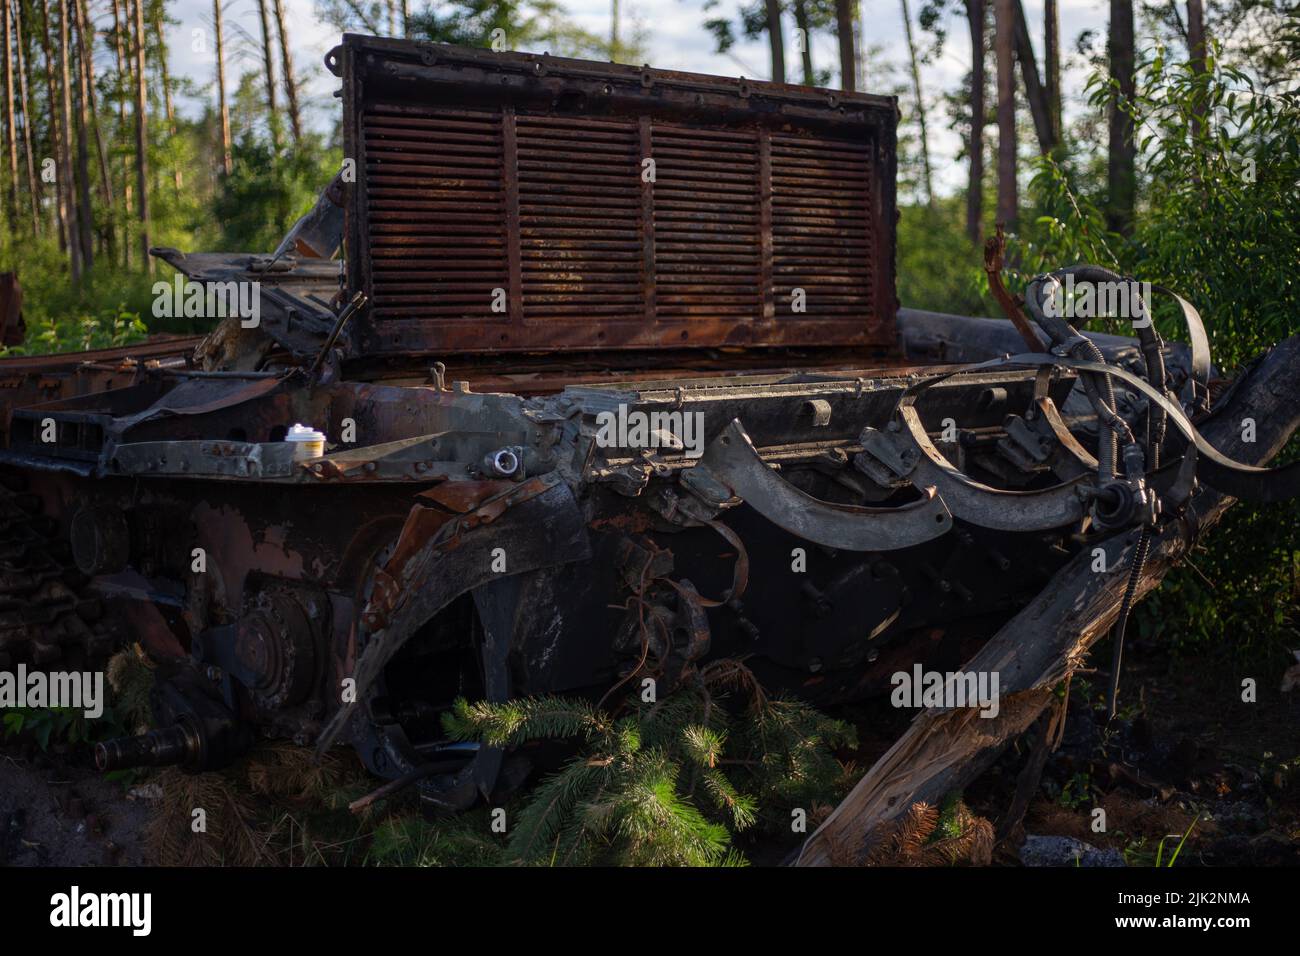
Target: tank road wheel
<point>446,659</point>
<point>445,599</point>
<point>401,732</point>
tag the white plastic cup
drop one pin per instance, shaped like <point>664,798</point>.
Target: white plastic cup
<point>308,442</point>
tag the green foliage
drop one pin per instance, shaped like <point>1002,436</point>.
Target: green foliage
<point>1069,226</point>
<point>667,785</point>
<point>267,191</point>
<point>106,311</point>
<point>130,675</point>
<point>938,268</point>
<point>59,724</point>
<point>950,823</point>
<point>511,723</point>
<point>1223,221</point>
<point>1219,161</point>
<point>1173,857</point>
<point>1077,792</point>
<point>537,25</point>
<point>130,678</point>
<point>110,329</point>
<point>58,727</point>
<point>408,840</point>
<point>1239,597</point>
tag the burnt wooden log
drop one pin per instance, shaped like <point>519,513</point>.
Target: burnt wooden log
<point>944,750</point>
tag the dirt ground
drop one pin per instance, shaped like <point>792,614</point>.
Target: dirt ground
<point>54,812</point>
<point>1186,756</point>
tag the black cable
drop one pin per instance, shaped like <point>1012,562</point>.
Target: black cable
<point>1121,623</point>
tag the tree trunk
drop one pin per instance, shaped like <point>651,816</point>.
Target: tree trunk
<point>1196,34</point>
<point>920,107</point>
<point>848,62</point>
<point>85,209</point>
<point>859,53</point>
<point>774,38</point>
<point>805,42</point>
<point>1035,94</point>
<point>1196,53</point>
<point>268,64</point>
<point>1052,66</point>
<point>1004,48</point>
<point>33,184</point>
<point>122,56</point>
<point>290,85</point>
<point>975,185</point>
<point>11,128</point>
<point>141,132</point>
<point>67,178</point>
<point>55,140</point>
<point>1121,166</point>
<point>90,114</point>
<point>164,76</point>
<point>226,149</point>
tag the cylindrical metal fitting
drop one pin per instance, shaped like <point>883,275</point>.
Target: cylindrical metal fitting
<point>177,744</point>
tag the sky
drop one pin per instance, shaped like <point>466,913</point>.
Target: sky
<point>675,38</point>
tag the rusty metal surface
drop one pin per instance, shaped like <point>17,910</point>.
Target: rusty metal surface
<point>473,527</point>
<point>480,171</point>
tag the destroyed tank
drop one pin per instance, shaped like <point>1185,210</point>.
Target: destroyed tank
<point>578,375</point>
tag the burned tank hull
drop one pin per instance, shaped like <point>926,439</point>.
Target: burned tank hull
<point>352,597</point>
<point>612,383</point>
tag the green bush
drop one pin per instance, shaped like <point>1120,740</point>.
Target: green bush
<point>669,783</point>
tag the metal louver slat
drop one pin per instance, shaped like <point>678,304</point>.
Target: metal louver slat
<point>514,202</point>
<point>821,233</point>
<point>706,223</point>
<point>437,213</point>
<point>580,260</point>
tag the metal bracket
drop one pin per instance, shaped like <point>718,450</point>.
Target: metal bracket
<point>883,460</point>
<point>986,506</point>
<point>732,462</point>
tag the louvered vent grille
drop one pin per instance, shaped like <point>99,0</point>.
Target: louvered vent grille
<point>821,233</point>
<point>579,220</point>
<point>706,223</point>
<point>438,242</point>
<point>536,205</point>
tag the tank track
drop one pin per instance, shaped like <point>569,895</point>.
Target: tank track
<point>48,620</point>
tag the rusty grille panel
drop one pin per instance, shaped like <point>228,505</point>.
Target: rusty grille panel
<point>503,206</point>
<point>707,251</point>
<point>437,212</point>
<point>821,232</point>
<point>579,220</point>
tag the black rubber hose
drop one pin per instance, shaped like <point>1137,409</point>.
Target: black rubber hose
<point>1121,623</point>
<point>1100,391</point>
<point>1151,346</point>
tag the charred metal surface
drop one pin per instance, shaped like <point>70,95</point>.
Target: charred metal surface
<point>732,468</point>
<point>513,202</point>
<point>646,462</point>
